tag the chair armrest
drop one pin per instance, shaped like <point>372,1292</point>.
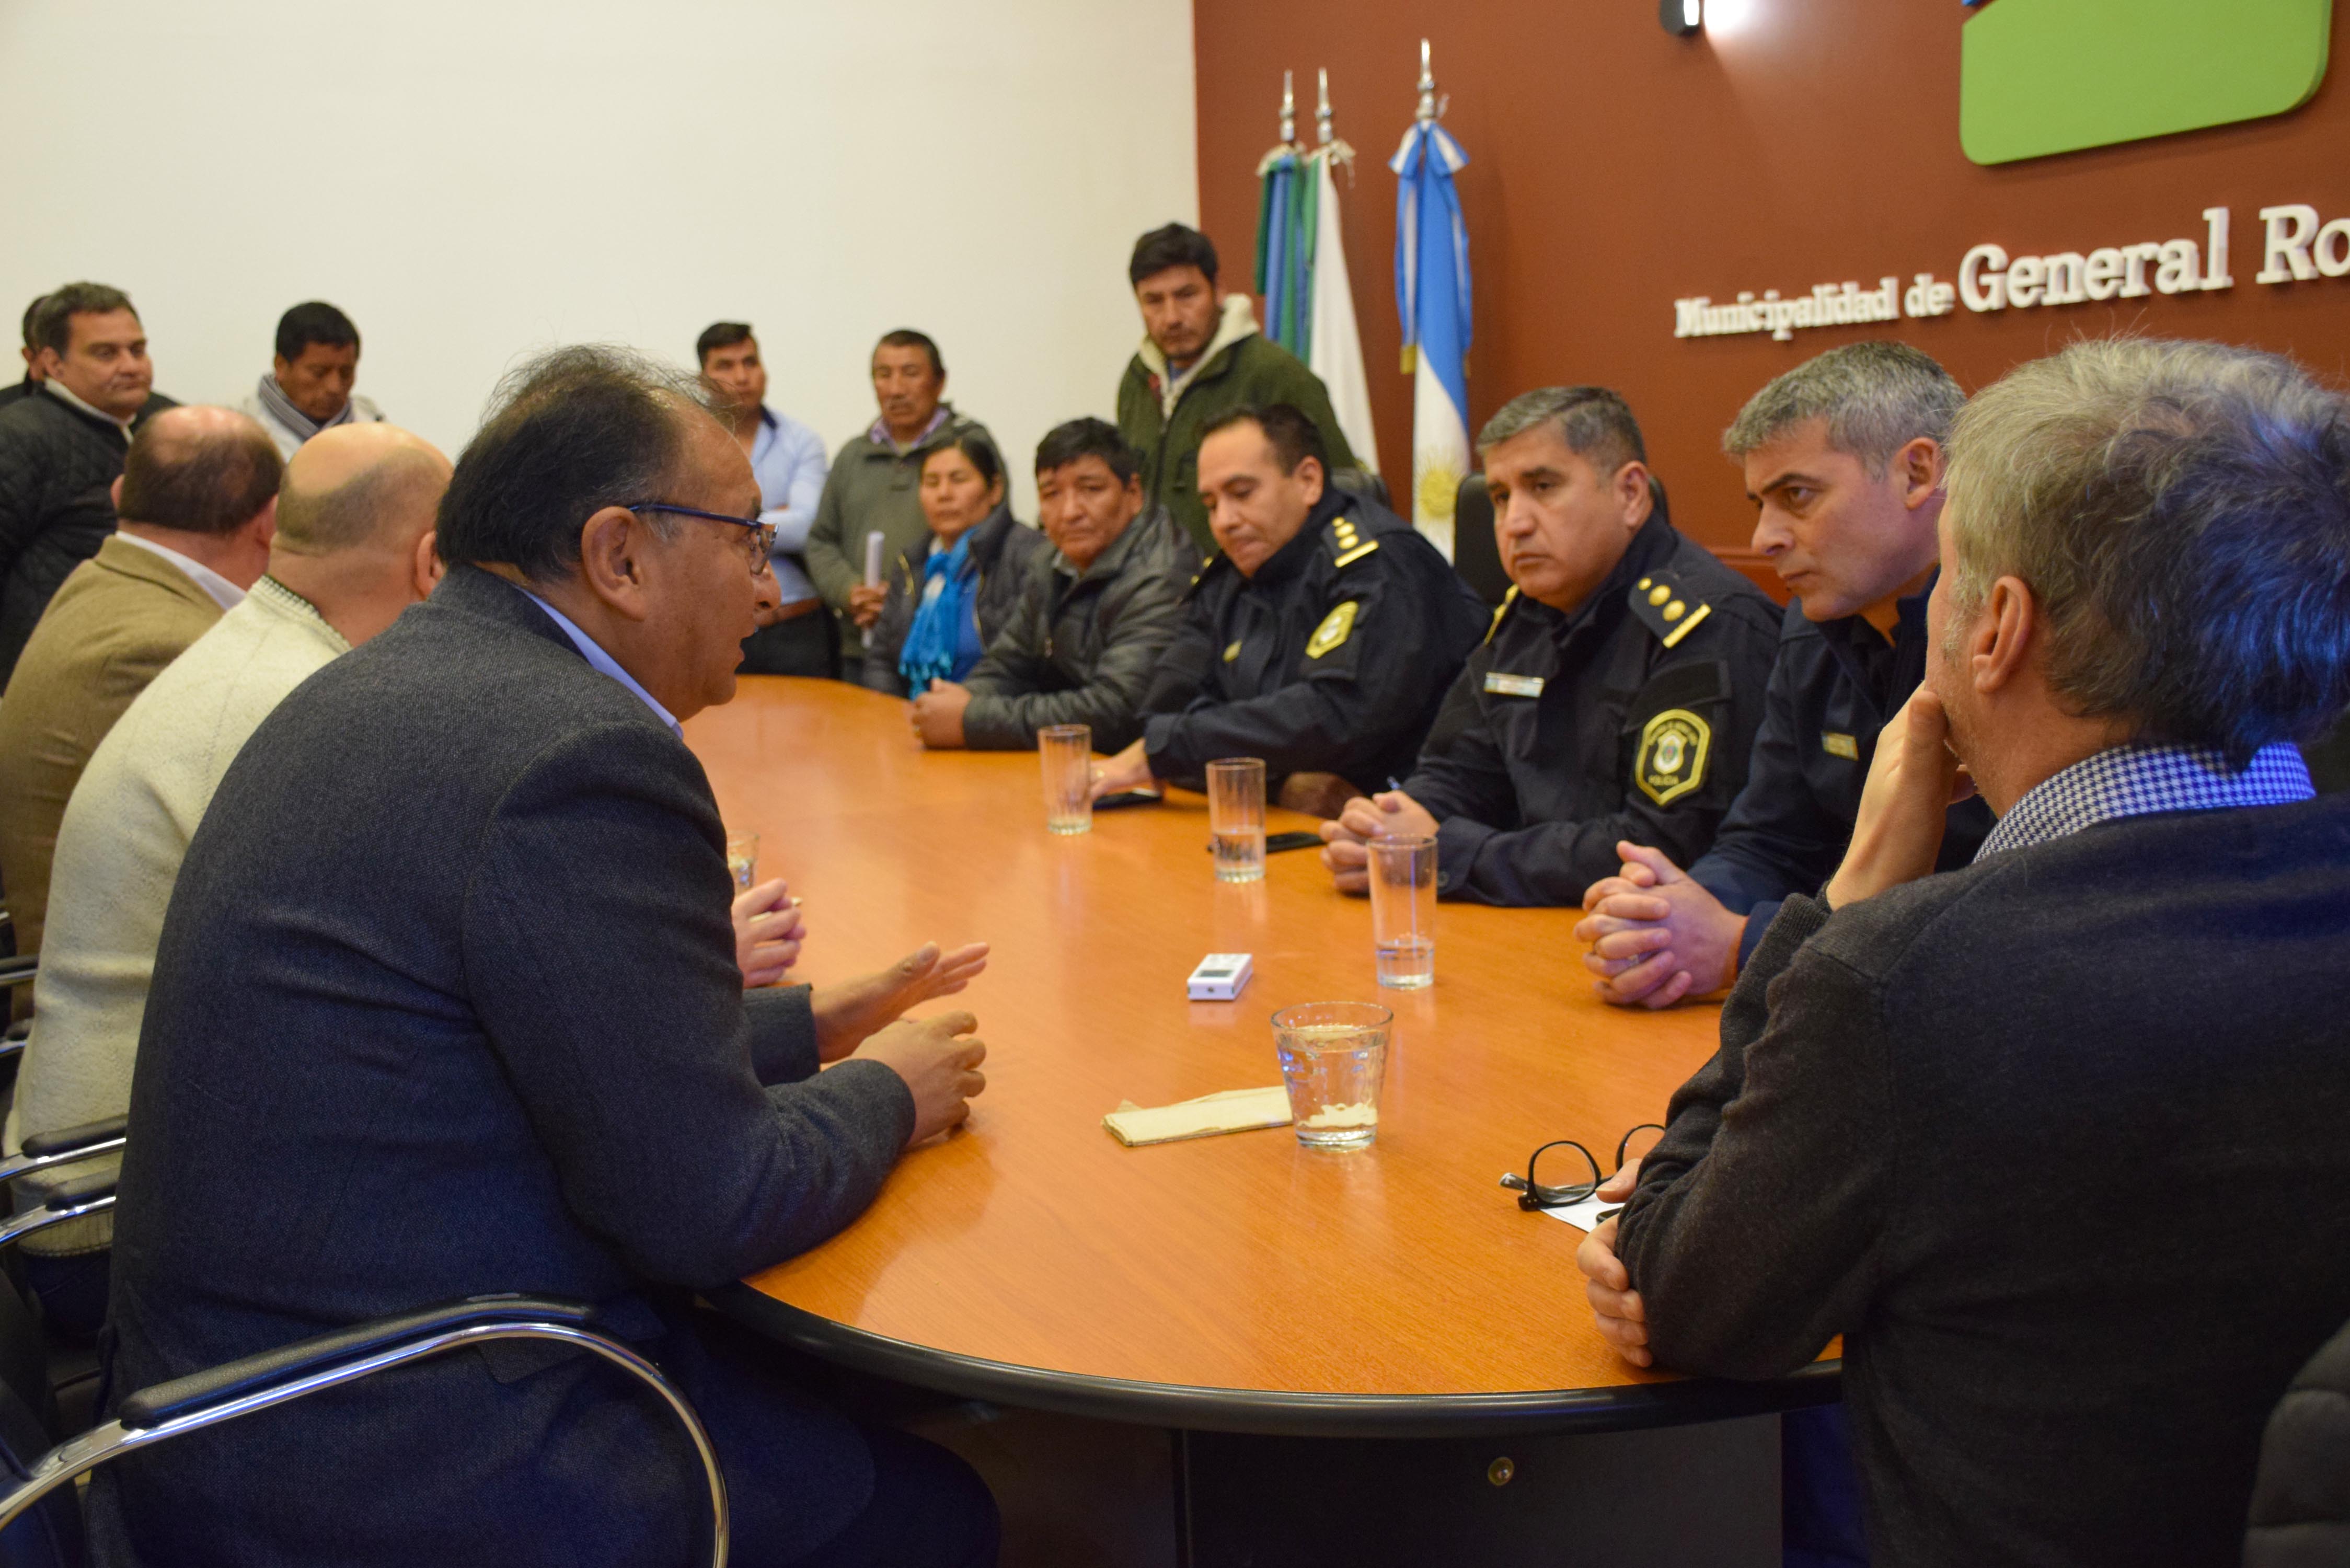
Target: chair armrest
<point>67,1142</point>
<point>67,1146</point>
<point>219,1384</point>
<point>279,1376</point>
<point>19,971</point>
<point>84,1195</point>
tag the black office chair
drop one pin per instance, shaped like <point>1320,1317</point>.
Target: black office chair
<point>2301,1493</point>
<point>1362,483</point>
<point>1475,555</point>
<point>40,1516</point>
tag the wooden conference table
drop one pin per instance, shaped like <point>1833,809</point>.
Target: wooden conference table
<point>1239,1284</point>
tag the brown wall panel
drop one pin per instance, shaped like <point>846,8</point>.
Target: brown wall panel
<point>1615,169</point>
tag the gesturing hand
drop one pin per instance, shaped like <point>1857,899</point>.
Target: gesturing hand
<point>768,932</point>
<point>1623,1320</point>
<point>1913,781</point>
<point>939,1065</point>
<point>847,1013</point>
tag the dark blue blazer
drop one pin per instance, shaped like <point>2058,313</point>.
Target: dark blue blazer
<point>446,1004</point>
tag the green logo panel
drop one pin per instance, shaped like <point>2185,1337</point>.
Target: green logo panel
<point>2038,77</point>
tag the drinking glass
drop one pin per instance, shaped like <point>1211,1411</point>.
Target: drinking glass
<point>1068,750</point>
<point>1403,911</point>
<point>1236,818</point>
<point>1334,1057</point>
<point>743,860</point>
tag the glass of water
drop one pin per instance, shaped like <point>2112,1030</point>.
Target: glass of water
<point>1403,911</point>
<point>1334,1057</point>
<point>743,858</point>
<point>1236,818</point>
<point>1068,751</point>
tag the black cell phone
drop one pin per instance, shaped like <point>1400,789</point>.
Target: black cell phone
<point>1126,797</point>
<point>1275,842</point>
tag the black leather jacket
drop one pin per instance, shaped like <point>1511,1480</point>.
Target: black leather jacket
<point>1080,648</point>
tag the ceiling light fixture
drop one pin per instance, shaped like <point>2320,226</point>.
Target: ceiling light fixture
<point>1682,18</point>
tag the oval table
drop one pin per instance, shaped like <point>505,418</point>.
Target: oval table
<point>1239,1284</point>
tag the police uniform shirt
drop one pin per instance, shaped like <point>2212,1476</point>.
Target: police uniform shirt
<point>1630,718</point>
<point>1834,686</point>
<point>1332,659</point>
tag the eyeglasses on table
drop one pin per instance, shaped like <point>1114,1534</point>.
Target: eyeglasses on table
<point>1534,1194</point>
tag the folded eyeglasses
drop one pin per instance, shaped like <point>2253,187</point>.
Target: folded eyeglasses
<point>1533,1194</point>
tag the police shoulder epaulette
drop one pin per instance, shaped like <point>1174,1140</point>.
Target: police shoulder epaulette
<point>1207,569</point>
<point>1666,608</point>
<point>1345,542</point>
<point>1501,611</point>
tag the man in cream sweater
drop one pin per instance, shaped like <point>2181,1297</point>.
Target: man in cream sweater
<point>354,547</point>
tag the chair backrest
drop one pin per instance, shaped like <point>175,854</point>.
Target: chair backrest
<point>1475,555</point>
<point>1363,482</point>
<point>2301,1493</point>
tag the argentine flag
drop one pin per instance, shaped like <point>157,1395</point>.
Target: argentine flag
<point>1432,299</point>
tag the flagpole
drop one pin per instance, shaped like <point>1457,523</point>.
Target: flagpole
<point>1432,299</point>
<point>1334,340</point>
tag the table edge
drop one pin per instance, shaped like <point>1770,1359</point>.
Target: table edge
<point>1274,1412</point>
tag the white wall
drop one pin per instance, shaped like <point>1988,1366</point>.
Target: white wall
<point>471,181</point>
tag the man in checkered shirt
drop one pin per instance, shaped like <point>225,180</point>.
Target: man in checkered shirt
<point>2055,1141</point>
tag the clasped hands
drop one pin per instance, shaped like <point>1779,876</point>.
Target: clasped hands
<point>1657,937</point>
<point>1346,838</point>
<point>937,715</point>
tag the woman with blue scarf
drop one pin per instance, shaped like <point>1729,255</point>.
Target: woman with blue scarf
<point>945,605</point>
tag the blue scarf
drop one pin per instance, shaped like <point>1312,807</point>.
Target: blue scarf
<point>933,647</point>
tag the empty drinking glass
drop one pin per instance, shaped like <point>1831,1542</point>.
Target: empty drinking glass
<point>1236,818</point>
<point>1067,753</point>
<point>1403,911</point>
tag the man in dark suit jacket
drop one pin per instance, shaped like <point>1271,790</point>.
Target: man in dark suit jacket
<point>1980,1122</point>
<point>447,1003</point>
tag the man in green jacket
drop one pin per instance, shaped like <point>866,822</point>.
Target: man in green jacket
<point>875,485</point>
<point>1198,361</point>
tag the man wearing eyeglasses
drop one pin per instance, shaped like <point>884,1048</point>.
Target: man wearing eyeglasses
<point>447,1003</point>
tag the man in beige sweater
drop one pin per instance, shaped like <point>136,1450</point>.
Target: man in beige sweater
<point>354,547</point>
<point>196,500</point>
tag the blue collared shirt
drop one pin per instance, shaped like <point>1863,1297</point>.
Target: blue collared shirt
<point>2136,781</point>
<point>593,652</point>
<point>788,460</point>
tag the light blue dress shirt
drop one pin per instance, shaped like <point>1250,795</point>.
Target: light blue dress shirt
<point>593,652</point>
<point>789,461</point>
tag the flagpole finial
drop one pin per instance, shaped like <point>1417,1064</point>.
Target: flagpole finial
<point>1288,110</point>
<point>1428,109</point>
<point>1322,133</point>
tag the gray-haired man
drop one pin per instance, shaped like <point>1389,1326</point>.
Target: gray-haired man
<point>1616,695</point>
<point>2054,1140</point>
<point>1843,458</point>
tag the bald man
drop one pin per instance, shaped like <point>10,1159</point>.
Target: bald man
<point>197,500</point>
<point>353,548</point>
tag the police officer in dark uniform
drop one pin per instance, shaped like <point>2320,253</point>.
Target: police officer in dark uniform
<point>1844,457</point>
<point>1320,637</point>
<point>1619,690</point>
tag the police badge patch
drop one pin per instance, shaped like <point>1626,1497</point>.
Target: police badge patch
<point>1672,759</point>
<point>1333,631</point>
